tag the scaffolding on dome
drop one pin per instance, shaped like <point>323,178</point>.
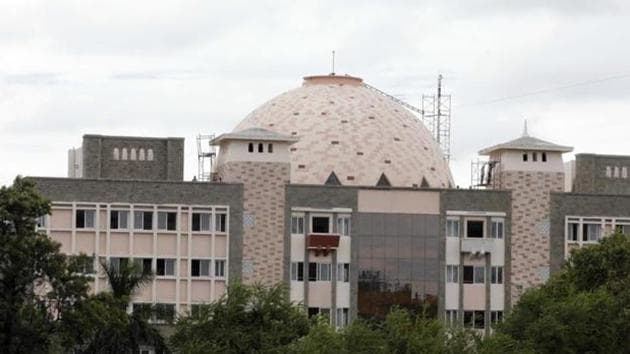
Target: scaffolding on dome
<point>435,114</point>
<point>206,154</point>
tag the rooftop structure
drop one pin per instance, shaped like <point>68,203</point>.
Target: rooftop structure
<point>350,131</point>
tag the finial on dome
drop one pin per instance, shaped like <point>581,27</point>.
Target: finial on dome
<point>332,72</point>
<point>525,129</point>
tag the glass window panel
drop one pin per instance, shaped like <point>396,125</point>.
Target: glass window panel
<point>220,221</point>
<point>404,247</point>
<point>480,275</point>
<point>391,246</point>
<point>219,268</point>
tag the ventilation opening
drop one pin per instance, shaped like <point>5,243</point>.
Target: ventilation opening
<point>424,183</point>
<point>332,180</point>
<point>383,181</point>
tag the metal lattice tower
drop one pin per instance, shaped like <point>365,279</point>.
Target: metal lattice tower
<point>205,157</point>
<point>436,112</point>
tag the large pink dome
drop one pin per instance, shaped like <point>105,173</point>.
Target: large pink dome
<point>346,128</point>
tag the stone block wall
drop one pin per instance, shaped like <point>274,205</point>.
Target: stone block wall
<point>590,174</point>
<point>263,216</point>
<point>99,161</point>
<point>530,241</point>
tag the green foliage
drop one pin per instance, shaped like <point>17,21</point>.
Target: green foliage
<point>581,309</point>
<point>44,300</point>
<point>125,279</point>
<point>38,284</point>
<point>247,319</point>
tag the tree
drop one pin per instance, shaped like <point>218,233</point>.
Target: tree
<point>110,329</point>
<point>583,308</point>
<point>246,319</point>
<point>38,284</point>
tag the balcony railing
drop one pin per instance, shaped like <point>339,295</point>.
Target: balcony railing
<point>322,243</point>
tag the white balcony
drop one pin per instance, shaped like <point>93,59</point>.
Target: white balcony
<point>478,245</point>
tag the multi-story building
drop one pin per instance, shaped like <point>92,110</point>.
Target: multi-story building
<point>344,196</point>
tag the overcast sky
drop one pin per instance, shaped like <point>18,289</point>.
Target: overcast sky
<point>179,68</point>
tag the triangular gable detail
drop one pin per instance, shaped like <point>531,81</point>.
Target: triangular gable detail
<point>332,180</point>
<point>383,181</point>
<point>424,183</point>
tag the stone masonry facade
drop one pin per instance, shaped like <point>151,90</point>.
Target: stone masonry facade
<point>530,226</point>
<point>263,216</point>
<point>99,162</point>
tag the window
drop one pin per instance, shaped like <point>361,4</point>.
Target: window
<point>495,317</point>
<point>201,221</point>
<point>312,272</point>
<point>622,229</point>
<point>297,225</point>
<point>132,155</point>
<point>124,153</point>
<point>164,312</point>
<point>150,154</point>
<point>144,349</point>
<point>118,219</point>
<point>165,267</point>
<point>297,271</point>
<point>534,156</point>
<point>574,231</point>
<point>200,268</point>
<point>452,273</point>
<point>143,220</point>
<point>320,224</point>
<point>497,229</point>
<point>608,171</point>
<point>144,310</point>
<point>451,318</point>
<point>342,316</point>
<point>496,275</point>
<point>116,154</point>
<point>250,147</point>
<point>219,268</point>
<point>118,262</point>
<point>144,264</point>
<point>220,221</point>
<point>591,232</point>
<point>270,148</point>
<point>260,147</point>
<point>474,228</point>
<point>42,222</point>
<point>474,319</point>
<point>452,227</point>
<point>624,172</point>
<point>544,157</point>
<point>155,313</point>
<point>141,155</point>
<point>167,220</point>
<point>313,311</point>
<point>616,172</point>
<point>87,266</point>
<point>324,272</point>
<point>474,274</point>
<point>343,272</point>
<point>525,157</point>
<point>343,225</point>
<point>84,219</point>
<point>480,275</point>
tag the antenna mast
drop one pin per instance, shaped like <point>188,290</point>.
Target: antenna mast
<point>436,110</point>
